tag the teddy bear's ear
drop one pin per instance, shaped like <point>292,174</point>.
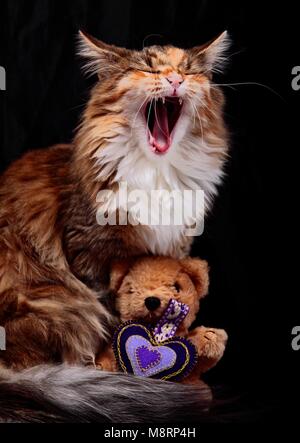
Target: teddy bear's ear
<point>198,271</point>
<point>119,270</point>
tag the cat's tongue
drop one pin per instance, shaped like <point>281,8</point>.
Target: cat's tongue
<point>161,133</point>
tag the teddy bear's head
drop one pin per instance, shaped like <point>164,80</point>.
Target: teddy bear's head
<point>145,286</point>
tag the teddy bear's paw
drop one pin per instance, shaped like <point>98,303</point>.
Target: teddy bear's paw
<point>215,341</point>
<point>106,367</point>
<point>211,342</point>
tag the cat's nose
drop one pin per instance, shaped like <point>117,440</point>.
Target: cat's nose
<point>152,303</point>
<point>175,80</point>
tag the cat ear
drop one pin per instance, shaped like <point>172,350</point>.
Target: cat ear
<point>198,271</point>
<point>212,55</point>
<point>101,57</point>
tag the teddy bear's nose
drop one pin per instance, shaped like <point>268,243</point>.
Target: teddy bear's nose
<point>152,303</point>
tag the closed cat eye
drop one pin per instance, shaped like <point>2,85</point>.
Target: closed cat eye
<point>193,73</point>
<point>148,71</point>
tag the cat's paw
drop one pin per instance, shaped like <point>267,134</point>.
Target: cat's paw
<point>106,361</point>
<point>106,366</point>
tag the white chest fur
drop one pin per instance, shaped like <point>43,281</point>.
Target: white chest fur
<point>189,168</point>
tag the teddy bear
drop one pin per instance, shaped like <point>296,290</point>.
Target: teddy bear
<point>143,288</point>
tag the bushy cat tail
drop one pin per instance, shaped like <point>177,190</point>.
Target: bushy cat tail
<point>62,394</point>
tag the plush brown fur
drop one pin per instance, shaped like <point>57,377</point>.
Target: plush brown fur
<point>184,280</point>
<point>54,257</point>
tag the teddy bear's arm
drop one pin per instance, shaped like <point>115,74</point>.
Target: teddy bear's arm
<point>210,344</point>
<point>106,360</point>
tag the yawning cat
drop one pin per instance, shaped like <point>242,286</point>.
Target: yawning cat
<point>155,122</point>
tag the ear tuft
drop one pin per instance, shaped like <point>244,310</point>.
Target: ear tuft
<point>213,54</point>
<point>88,49</point>
<point>101,57</point>
<point>198,271</point>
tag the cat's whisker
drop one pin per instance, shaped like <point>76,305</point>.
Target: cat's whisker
<point>157,120</point>
<point>193,110</point>
<point>248,84</point>
<point>204,105</point>
<point>229,86</point>
<point>192,94</point>
<point>199,118</point>
<point>149,112</point>
<point>201,125</point>
<point>194,115</point>
<point>136,115</point>
<point>92,68</point>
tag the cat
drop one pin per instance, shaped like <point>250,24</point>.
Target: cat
<point>154,121</point>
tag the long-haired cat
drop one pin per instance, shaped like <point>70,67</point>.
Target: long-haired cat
<point>154,121</point>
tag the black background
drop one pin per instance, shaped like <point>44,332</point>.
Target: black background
<point>254,218</point>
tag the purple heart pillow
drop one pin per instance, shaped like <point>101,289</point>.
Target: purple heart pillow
<point>138,353</point>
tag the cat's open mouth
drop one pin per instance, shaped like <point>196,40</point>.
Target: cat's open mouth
<point>162,116</point>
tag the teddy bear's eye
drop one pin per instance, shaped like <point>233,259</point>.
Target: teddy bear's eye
<point>177,287</point>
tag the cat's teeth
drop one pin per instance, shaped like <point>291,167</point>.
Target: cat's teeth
<point>180,101</point>
<point>164,101</point>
